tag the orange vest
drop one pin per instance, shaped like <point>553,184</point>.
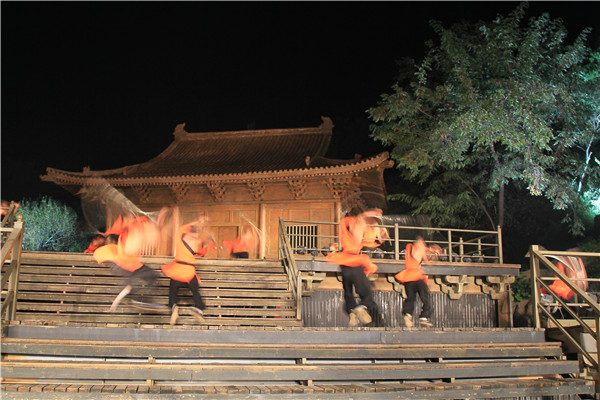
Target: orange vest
<point>114,253</point>
<point>412,271</point>
<point>183,268</point>
<point>349,256</point>
<point>559,287</point>
<point>370,237</point>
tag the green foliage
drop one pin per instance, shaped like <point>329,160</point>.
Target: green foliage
<point>491,105</point>
<point>521,288</point>
<point>51,226</point>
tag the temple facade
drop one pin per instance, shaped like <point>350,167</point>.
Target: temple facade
<point>255,176</point>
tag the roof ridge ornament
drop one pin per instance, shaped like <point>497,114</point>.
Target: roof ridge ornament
<point>179,131</point>
<point>327,124</point>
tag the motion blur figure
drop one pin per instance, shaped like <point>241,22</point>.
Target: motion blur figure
<point>415,281</point>
<point>248,239</point>
<point>192,240</point>
<point>123,257</point>
<point>355,268</point>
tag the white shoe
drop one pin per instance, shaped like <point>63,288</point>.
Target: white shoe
<point>408,320</point>
<point>198,314</point>
<point>118,299</point>
<point>353,320</point>
<point>362,314</point>
<point>174,314</point>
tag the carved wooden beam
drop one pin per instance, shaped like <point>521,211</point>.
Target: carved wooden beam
<point>311,281</point>
<point>217,189</point>
<point>339,187</point>
<point>143,192</point>
<point>179,190</point>
<point>452,285</point>
<point>257,188</point>
<point>398,287</point>
<point>297,187</point>
<point>495,286</point>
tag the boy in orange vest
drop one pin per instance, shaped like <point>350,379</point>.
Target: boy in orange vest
<point>415,281</point>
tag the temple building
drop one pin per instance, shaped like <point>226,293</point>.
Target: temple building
<point>257,176</point>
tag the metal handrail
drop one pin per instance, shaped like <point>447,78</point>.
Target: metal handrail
<point>485,245</point>
<point>11,267</point>
<point>538,257</point>
<point>289,263</point>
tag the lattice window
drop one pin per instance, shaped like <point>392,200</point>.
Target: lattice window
<point>303,238</point>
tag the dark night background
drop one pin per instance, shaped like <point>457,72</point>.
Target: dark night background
<point>103,84</point>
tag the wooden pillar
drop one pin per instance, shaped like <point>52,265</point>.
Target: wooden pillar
<point>262,225</point>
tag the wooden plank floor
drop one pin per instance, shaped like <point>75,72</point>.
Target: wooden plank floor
<point>380,390</point>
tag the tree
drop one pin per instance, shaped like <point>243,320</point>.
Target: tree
<point>50,226</point>
<point>490,105</point>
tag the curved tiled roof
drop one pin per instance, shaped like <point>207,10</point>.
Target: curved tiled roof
<point>230,156</point>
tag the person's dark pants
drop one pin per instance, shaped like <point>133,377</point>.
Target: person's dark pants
<point>193,286</point>
<point>354,277</point>
<point>145,274</point>
<point>412,288</point>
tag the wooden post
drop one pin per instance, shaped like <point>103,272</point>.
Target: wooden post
<point>534,269</point>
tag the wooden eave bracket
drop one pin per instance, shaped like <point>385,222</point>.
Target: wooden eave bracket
<point>452,285</point>
<point>297,187</point>
<point>179,190</point>
<point>311,281</point>
<point>217,189</point>
<point>143,192</point>
<point>398,287</point>
<point>495,286</point>
<point>257,189</point>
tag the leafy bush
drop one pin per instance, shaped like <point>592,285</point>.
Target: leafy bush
<point>51,226</point>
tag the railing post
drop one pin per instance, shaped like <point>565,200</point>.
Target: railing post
<point>396,242</point>
<point>461,248</point>
<point>299,296</point>
<point>13,279</point>
<point>500,252</point>
<point>450,252</point>
<point>534,269</point>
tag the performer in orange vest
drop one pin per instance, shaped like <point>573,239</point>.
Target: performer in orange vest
<point>192,241</point>
<point>239,247</point>
<point>574,269</point>
<point>120,257</point>
<point>415,281</point>
<point>355,268</point>
<point>374,236</point>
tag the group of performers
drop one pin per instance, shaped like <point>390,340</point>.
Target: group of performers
<point>359,232</point>
<point>119,246</point>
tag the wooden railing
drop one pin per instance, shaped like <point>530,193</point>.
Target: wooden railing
<point>459,245</point>
<point>12,242</point>
<point>539,258</point>
<point>289,262</point>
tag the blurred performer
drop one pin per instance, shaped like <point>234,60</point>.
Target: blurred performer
<point>574,269</point>
<point>355,268</point>
<point>191,240</point>
<point>5,206</point>
<point>123,255</point>
<point>415,281</point>
<point>374,236</point>
<point>248,239</point>
<point>110,236</point>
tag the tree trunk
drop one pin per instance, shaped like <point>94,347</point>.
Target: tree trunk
<point>501,206</point>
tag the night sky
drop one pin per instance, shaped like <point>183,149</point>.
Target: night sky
<point>103,84</point>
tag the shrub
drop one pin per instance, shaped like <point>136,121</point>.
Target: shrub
<point>51,226</point>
